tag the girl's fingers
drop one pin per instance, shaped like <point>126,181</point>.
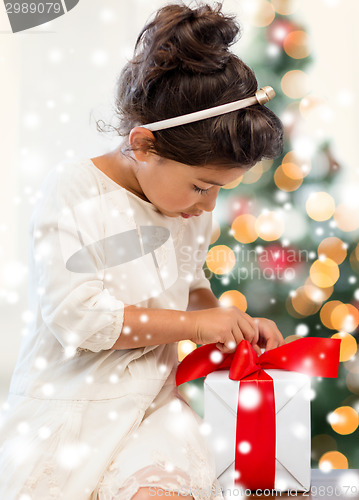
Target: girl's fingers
<point>248,330</point>
<point>254,324</point>
<point>228,346</point>
<point>257,349</point>
<point>270,336</point>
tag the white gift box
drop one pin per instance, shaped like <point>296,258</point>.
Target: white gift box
<point>292,417</point>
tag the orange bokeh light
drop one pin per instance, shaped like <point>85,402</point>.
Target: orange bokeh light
<point>326,313</point>
<point>344,420</point>
<point>297,44</point>
<point>269,226</point>
<point>285,7</point>
<point>348,345</point>
<point>285,182</point>
<point>324,272</point>
<point>233,184</point>
<point>345,317</point>
<point>220,259</point>
<point>302,303</point>
<point>333,460</point>
<point>333,248</point>
<point>316,293</point>
<point>184,348</point>
<point>234,298</point>
<point>243,228</point>
<point>263,15</point>
<point>304,163</point>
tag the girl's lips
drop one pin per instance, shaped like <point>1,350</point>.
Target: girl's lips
<point>186,216</point>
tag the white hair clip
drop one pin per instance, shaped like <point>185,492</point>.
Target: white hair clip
<point>262,96</point>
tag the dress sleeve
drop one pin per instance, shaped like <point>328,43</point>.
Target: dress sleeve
<point>199,279</point>
<point>66,243</point>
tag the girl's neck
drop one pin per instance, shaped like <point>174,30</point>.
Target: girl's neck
<point>121,170</point>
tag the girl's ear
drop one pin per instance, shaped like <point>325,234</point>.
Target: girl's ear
<point>141,141</point>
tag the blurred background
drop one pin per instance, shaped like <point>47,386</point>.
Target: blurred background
<point>285,239</point>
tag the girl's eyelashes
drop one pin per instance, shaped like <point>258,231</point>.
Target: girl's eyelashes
<point>199,190</point>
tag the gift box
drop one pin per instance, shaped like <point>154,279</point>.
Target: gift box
<point>292,427</point>
<point>258,409</point>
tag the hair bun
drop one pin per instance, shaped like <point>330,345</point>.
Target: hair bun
<point>194,40</point>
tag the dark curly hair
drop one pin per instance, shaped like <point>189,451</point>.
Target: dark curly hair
<point>181,64</point>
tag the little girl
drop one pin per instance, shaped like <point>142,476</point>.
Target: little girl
<point>117,245</point>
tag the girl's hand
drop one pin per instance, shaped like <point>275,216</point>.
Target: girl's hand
<point>269,336</point>
<point>226,326</point>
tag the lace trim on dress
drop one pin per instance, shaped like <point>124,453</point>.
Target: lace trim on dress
<point>196,482</point>
<point>153,477</point>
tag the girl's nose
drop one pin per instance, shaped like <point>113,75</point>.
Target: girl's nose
<point>209,200</point>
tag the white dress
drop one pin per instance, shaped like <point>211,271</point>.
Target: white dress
<point>84,421</point>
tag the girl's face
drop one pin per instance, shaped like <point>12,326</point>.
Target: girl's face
<point>182,190</point>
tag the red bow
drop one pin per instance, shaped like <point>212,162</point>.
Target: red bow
<point>311,355</point>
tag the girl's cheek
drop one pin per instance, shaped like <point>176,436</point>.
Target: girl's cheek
<point>181,200</point>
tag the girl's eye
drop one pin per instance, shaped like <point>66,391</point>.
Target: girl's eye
<point>199,190</point>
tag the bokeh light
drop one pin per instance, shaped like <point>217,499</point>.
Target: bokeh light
<point>304,162</point>
<point>288,177</point>
<point>244,229</point>
<point>269,225</point>
<point>295,84</point>
<point>291,338</point>
<point>320,206</point>
<point>333,248</point>
<point>286,7</point>
<point>324,272</point>
<point>348,345</point>
<point>220,259</point>
<point>233,184</point>
<point>234,298</point>
<point>316,293</point>
<point>345,317</point>
<point>354,260</point>
<point>302,303</point>
<point>344,420</point>
<point>347,217</point>
<point>333,460</point>
<point>266,165</point>
<point>297,44</point>
<point>254,174</point>
<point>326,313</point>
<point>260,12</point>
<point>184,348</point>
<point>291,310</point>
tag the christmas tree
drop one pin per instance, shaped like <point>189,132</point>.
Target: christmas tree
<point>283,247</point>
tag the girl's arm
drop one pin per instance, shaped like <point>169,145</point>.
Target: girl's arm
<point>145,326</point>
<point>202,298</point>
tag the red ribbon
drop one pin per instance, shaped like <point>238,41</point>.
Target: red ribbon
<point>255,432</point>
